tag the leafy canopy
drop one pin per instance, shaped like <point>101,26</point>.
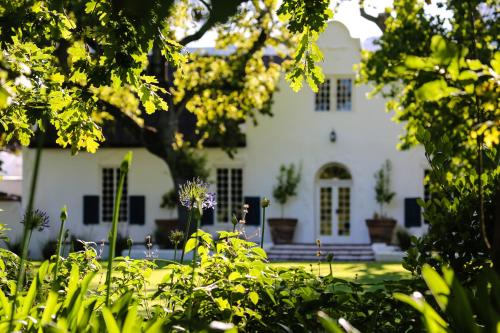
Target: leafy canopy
<point>65,62</point>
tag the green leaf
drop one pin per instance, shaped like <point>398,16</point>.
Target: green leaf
<point>149,106</point>
<point>440,290</point>
<point>254,297</point>
<point>442,50</point>
<point>50,307</point>
<point>190,245</point>
<point>29,298</point>
<point>414,62</point>
<point>72,284</point>
<point>434,91</point>
<point>474,64</point>
<point>468,76</point>
<point>156,327</point>
<point>6,305</point>
<point>111,325</point>
<point>233,276</point>
<point>328,323</point>
<point>131,321</point>
<point>222,303</point>
<point>495,62</point>
<point>431,317</point>
<point>260,252</point>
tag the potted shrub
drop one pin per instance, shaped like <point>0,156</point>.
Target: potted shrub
<point>381,227</point>
<point>283,229</point>
<point>165,226</point>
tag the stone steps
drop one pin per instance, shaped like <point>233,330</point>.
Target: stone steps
<point>307,252</point>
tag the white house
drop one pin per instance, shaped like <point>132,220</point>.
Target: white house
<point>10,187</point>
<point>337,131</point>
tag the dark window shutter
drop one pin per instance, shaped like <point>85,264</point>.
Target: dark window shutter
<point>413,215</point>
<point>253,215</point>
<point>208,217</point>
<point>90,209</point>
<point>137,209</point>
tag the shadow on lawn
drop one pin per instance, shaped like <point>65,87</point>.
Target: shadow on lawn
<point>368,273</point>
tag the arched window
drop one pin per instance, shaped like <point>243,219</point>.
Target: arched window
<point>335,171</point>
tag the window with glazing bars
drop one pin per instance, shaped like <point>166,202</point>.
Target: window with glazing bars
<point>229,193</point>
<point>322,98</point>
<point>110,179</point>
<point>344,94</point>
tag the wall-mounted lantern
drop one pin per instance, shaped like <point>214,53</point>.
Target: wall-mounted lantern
<point>333,136</point>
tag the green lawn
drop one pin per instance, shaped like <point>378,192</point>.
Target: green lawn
<point>365,272</point>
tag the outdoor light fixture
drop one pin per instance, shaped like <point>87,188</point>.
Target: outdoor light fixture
<point>333,136</point>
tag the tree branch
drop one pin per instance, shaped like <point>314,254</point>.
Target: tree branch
<point>239,71</point>
<point>209,23</point>
<point>379,20</point>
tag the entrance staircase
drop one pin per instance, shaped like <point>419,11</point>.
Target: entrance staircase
<point>307,252</point>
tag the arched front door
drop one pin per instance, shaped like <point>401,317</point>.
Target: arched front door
<point>333,198</point>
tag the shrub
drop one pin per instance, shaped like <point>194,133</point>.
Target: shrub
<point>49,248</point>
<point>404,239</point>
<point>383,193</point>
<point>288,181</point>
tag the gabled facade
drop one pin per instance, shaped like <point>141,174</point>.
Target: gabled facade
<point>338,136</point>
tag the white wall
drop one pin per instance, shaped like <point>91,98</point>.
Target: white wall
<point>65,179</point>
<point>11,174</point>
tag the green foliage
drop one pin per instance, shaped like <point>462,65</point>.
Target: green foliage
<point>70,66</point>
<point>306,18</point>
<point>14,246</point>
<point>230,285</point>
<point>383,194</point>
<point>170,199</point>
<point>404,239</point>
<point>113,233</point>
<point>288,181</point>
<point>474,309</point>
<point>441,75</point>
<point>49,248</point>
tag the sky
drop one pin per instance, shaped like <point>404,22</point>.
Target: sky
<point>347,13</point>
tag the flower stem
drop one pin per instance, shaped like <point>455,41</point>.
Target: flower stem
<point>186,234</point>
<point>59,242</point>
<point>193,265</point>
<point>27,230</point>
<point>114,227</point>
<point>263,227</point>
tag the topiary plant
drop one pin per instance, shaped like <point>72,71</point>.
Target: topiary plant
<point>288,181</point>
<point>383,193</point>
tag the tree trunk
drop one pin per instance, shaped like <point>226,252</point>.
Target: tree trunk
<point>495,240</point>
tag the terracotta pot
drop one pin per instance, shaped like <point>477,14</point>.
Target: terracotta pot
<point>282,230</point>
<point>162,232</point>
<point>381,230</point>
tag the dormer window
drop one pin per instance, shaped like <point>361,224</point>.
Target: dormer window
<point>322,99</point>
<point>344,95</point>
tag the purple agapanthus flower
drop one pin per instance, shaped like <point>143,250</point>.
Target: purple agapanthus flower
<point>209,201</point>
<point>196,191</point>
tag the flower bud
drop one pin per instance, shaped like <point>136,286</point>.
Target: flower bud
<point>64,214</point>
<point>265,202</point>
